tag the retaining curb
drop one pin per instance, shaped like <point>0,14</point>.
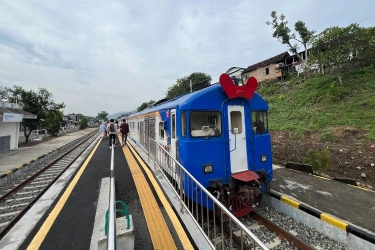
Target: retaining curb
<point>326,217</point>
<point>14,172</point>
<point>308,169</point>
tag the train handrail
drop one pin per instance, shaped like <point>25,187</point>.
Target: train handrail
<point>166,162</point>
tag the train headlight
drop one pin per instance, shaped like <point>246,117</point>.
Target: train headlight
<point>263,158</point>
<point>208,168</point>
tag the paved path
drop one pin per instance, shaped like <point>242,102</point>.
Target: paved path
<point>16,157</point>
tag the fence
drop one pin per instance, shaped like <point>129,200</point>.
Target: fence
<point>190,191</point>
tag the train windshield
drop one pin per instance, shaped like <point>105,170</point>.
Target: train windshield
<point>205,123</point>
<point>260,122</point>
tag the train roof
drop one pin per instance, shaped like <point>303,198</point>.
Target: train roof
<point>208,98</point>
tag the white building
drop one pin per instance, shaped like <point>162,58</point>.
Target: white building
<point>11,116</point>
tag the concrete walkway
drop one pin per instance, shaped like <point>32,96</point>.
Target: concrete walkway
<point>17,157</point>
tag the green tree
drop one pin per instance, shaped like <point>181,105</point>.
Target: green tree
<point>365,46</point>
<point>283,33</point>
<point>182,86</point>
<point>38,103</point>
<point>52,121</point>
<point>145,105</point>
<point>335,45</point>
<point>83,120</point>
<point>102,115</point>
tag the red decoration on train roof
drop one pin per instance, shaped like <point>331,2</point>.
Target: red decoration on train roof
<point>232,90</point>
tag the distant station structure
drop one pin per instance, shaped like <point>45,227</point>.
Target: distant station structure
<point>11,117</point>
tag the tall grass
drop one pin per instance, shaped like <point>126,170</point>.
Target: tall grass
<point>321,103</point>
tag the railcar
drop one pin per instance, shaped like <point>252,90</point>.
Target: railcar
<point>220,135</point>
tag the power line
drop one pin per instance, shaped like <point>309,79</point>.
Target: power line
<point>367,18</point>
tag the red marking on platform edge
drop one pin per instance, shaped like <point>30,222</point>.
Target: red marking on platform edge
<point>233,91</point>
<point>245,176</point>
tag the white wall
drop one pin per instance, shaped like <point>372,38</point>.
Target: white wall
<point>12,129</point>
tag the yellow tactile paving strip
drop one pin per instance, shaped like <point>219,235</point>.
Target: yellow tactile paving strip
<point>160,234</point>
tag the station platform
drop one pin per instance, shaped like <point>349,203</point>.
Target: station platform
<point>346,207</point>
<point>65,217</point>
<point>10,160</point>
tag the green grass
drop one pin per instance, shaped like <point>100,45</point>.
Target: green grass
<point>321,103</point>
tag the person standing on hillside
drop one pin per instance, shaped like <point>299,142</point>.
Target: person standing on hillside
<point>112,131</point>
<point>124,130</point>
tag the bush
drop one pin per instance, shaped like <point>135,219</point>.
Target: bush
<point>319,160</point>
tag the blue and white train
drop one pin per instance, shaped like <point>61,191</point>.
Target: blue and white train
<point>220,135</point>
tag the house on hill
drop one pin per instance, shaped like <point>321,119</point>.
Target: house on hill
<point>267,69</point>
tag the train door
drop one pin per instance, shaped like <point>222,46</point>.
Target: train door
<point>237,139</point>
<point>173,148</point>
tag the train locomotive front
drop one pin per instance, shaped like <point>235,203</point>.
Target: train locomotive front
<point>220,136</point>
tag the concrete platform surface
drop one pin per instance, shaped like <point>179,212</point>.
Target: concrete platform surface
<point>17,157</point>
<point>353,205</point>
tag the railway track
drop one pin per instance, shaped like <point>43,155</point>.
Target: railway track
<point>283,233</point>
<point>20,194</point>
<point>273,236</point>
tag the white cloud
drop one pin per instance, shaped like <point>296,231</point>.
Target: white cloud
<point>114,55</point>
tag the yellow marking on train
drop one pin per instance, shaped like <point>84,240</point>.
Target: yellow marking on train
<point>41,235</point>
<point>321,177</point>
<point>176,223</point>
<point>331,220</point>
<point>291,202</point>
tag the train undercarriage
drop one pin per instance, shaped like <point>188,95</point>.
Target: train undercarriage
<point>240,197</point>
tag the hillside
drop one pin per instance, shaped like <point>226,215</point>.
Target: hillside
<point>114,116</point>
<point>335,122</point>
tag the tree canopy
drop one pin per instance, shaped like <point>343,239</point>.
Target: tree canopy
<point>182,86</point>
<point>102,115</point>
<point>145,105</point>
<point>82,121</point>
<point>283,33</point>
<point>41,103</point>
<point>336,45</point>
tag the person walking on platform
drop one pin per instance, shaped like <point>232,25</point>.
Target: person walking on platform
<point>112,131</point>
<point>124,130</point>
<point>102,131</point>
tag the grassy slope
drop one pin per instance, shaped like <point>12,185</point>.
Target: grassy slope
<point>321,103</point>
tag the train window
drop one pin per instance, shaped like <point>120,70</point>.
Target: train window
<point>173,126</point>
<point>259,121</point>
<point>205,124</point>
<point>161,130</point>
<point>236,122</point>
<point>183,124</point>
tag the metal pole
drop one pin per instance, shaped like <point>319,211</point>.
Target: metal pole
<point>112,235</point>
<point>191,86</point>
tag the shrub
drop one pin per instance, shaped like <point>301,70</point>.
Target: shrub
<point>319,160</point>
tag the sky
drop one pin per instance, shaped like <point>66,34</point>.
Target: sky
<point>114,55</point>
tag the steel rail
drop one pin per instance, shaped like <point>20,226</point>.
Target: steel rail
<point>283,234</point>
<point>17,217</point>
